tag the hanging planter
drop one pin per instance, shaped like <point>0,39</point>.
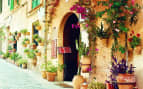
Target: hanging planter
<point>41,44</point>
<point>14,42</point>
<point>17,38</point>
<point>24,45</point>
<point>27,33</point>
<point>38,28</point>
<point>33,46</point>
<point>18,34</point>
<point>85,63</point>
<point>38,53</point>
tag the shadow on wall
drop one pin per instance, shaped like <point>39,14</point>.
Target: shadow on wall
<point>138,63</point>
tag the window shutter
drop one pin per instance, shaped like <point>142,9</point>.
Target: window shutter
<point>12,5</point>
<point>0,6</point>
<point>38,2</point>
<point>8,2</point>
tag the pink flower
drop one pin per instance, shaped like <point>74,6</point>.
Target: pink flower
<point>86,25</point>
<point>117,30</point>
<point>133,2</point>
<point>72,26</point>
<point>131,12</point>
<point>97,49</point>
<point>114,21</point>
<point>110,5</point>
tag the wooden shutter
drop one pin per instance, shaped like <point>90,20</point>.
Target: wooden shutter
<point>0,6</point>
<point>12,5</point>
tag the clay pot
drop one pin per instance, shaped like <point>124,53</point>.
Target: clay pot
<point>41,44</point>
<point>38,28</point>
<point>17,38</point>
<point>77,81</point>
<point>34,46</point>
<point>27,42</point>
<point>28,33</point>
<point>51,76</point>
<point>38,54</point>
<point>14,42</point>
<point>126,81</point>
<point>109,86</point>
<point>24,45</point>
<point>85,63</point>
<point>138,50</point>
<point>19,35</point>
<point>14,50</point>
<point>34,62</point>
<point>44,75</point>
<point>84,86</point>
<point>24,66</point>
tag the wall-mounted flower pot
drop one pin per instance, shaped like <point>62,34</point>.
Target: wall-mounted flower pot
<point>28,33</point>
<point>14,42</point>
<point>44,75</point>
<point>10,34</point>
<point>24,45</point>
<point>85,63</point>
<point>77,81</point>
<point>51,76</point>
<point>38,28</point>
<point>126,81</point>
<point>14,50</point>
<point>27,42</point>
<point>138,50</point>
<point>24,66</point>
<point>33,46</point>
<point>19,34</point>
<point>38,54</point>
<point>34,61</point>
<point>41,44</point>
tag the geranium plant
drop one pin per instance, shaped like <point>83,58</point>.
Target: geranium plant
<point>134,40</point>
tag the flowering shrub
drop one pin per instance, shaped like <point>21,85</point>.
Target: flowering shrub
<point>134,40</point>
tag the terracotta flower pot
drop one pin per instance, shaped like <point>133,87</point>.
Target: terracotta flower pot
<point>109,86</point>
<point>138,50</point>
<point>34,62</point>
<point>19,35</point>
<point>85,63</point>
<point>41,44</point>
<point>50,76</point>
<point>14,50</point>
<point>77,81</point>
<point>17,38</point>
<point>28,33</point>
<point>27,42</point>
<point>38,54</point>
<point>24,66</point>
<point>38,28</point>
<point>24,45</point>
<point>44,75</point>
<point>14,42</point>
<point>84,86</point>
<point>126,81</point>
<point>34,46</point>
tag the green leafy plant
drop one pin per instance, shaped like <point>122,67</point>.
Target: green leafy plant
<point>26,50</point>
<point>2,34</point>
<point>23,31</point>
<point>9,47</point>
<point>31,54</point>
<point>35,36</point>
<point>15,56</point>
<point>36,23</point>
<point>6,55</point>
<point>23,42</point>
<point>22,61</point>
<point>26,39</point>
<point>122,49</point>
<point>96,85</point>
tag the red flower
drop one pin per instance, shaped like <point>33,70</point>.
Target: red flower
<point>133,32</point>
<point>130,39</point>
<point>138,35</point>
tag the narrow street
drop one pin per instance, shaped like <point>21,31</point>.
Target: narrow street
<point>12,77</point>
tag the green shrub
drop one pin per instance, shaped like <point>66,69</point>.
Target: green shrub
<point>15,56</point>
<point>6,55</point>
<point>31,54</point>
<point>96,85</point>
<point>26,50</point>
<point>22,61</point>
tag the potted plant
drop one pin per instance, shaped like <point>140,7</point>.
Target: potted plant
<point>123,73</point>
<point>51,71</point>
<point>24,31</point>
<point>33,46</point>
<point>14,57</point>
<point>19,34</point>
<point>26,40</point>
<point>37,26</point>
<point>31,54</point>
<point>26,51</point>
<point>24,44</point>
<point>35,37</point>
<point>23,63</point>
<point>37,53</point>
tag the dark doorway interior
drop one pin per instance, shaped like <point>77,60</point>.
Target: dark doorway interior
<point>35,31</point>
<point>70,59</point>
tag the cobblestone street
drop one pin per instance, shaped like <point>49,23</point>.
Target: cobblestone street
<point>12,77</point>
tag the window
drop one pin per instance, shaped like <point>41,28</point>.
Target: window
<point>35,3</point>
<point>0,6</point>
<point>13,3</point>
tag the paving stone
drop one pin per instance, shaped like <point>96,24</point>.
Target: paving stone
<point>13,77</point>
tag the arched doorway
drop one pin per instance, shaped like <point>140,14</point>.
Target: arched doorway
<point>70,35</point>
